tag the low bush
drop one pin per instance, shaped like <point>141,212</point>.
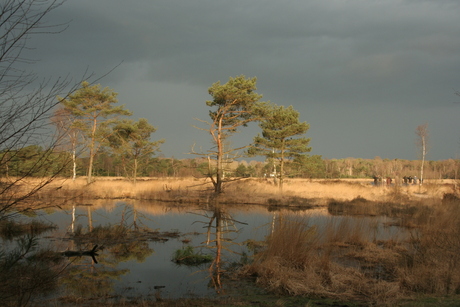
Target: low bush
<point>188,256</point>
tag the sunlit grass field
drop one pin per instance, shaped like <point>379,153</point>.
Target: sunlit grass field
<point>250,190</point>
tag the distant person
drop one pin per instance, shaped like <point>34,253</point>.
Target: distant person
<point>415,179</point>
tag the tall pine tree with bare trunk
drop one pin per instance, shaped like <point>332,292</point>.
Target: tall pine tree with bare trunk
<point>234,105</point>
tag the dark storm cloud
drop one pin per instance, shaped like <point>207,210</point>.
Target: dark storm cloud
<point>349,67</point>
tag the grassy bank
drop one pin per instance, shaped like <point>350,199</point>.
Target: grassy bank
<point>297,192</point>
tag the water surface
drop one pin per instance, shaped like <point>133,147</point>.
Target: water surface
<point>141,266</point>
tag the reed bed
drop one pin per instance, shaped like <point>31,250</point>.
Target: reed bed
<point>342,259</point>
<point>300,260</point>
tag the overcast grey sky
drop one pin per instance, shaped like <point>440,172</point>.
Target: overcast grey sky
<point>363,73</point>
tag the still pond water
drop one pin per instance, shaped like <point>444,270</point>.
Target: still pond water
<point>141,266</point>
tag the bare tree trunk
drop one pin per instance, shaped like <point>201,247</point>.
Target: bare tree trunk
<point>90,166</point>
<point>423,159</point>
<point>74,161</point>
<point>422,133</point>
<point>92,152</point>
<point>282,168</point>
<point>218,185</point>
<point>280,186</point>
<point>135,170</point>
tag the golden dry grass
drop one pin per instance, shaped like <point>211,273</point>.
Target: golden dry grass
<point>256,191</point>
<point>118,188</point>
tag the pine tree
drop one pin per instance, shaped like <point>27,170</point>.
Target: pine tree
<point>236,104</point>
<point>131,141</point>
<point>281,138</point>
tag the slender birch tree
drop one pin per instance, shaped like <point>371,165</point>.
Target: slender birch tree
<point>422,144</point>
<point>69,135</point>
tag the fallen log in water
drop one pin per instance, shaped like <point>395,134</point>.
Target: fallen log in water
<point>92,253</point>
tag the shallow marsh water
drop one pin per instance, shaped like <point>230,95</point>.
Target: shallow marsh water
<point>141,266</point>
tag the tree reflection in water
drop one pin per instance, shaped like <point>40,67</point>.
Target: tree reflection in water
<point>121,242</point>
<point>221,232</point>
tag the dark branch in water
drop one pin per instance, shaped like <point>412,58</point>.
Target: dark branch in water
<point>92,253</point>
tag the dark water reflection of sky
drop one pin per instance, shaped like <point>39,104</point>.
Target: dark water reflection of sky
<point>157,269</point>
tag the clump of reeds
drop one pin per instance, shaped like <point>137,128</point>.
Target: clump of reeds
<point>289,257</point>
<point>300,259</point>
<point>433,260</point>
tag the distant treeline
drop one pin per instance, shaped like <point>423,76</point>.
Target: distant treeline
<point>20,162</point>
